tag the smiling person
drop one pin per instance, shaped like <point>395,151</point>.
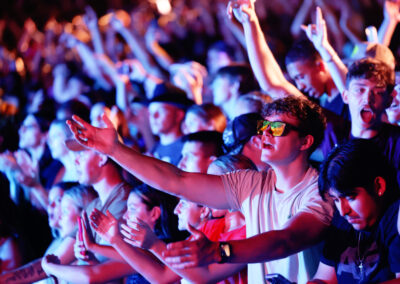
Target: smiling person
<point>283,211</point>
<point>363,243</point>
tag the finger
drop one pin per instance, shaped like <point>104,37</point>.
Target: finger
<point>319,17</point>
<point>128,235</point>
<point>106,120</point>
<point>181,261</point>
<point>131,242</point>
<point>229,10</point>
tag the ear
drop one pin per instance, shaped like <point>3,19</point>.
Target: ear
<point>380,186</point>
<point>255,141</point>
<point>205,213</point>
<point>234,88</point>
<point>155,214</point>
<point>308,141</point>
<point>345,96</point>
<point>102,159</point>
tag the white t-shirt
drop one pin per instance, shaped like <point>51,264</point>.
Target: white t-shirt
<point>265,209</point>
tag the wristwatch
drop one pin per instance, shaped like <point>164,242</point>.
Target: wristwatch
<point>225,250</point>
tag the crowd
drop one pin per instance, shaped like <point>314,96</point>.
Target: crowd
<point>194,141</point>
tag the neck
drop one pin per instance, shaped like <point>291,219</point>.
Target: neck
<point>359,132</point>
<point>288,176</point>
<point>106,185</point>
<point>228,108</point>
<point>331,90</point>
<point>170,137</point>
<point>37,152</point>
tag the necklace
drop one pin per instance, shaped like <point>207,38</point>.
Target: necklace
<point>361,258</point>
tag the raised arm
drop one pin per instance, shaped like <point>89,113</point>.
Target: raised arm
<point>318,35</point>
<point>265,67</point>
<point>199,188</point>
<point>391,17</point>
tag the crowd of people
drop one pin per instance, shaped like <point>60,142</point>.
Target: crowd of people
<point>194,141</point>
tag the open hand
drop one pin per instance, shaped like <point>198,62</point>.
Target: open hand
<point>103,140</point>
<point>139,234</point>
<point>105,225</point>
<point>199,251</point>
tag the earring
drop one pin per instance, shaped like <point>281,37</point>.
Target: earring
<point>380,193</point>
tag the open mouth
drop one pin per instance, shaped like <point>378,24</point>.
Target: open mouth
<point>367,115</point>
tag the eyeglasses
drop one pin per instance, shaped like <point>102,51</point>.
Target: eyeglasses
<point>276,128</point>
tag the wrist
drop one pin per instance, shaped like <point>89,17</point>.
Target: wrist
<point>225,252</point>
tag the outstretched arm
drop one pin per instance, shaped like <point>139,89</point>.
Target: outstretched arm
<point>199,188</point>
<point>318,35</point>
<point>153,266</point>
<point>303,231</point>
<point>265,67</point>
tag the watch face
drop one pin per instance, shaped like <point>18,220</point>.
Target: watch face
<point>226,249</point>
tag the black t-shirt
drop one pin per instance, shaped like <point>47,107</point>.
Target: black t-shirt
<point>378,250</point>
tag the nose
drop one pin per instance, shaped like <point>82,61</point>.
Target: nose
<point>343,207</point>
<point>125,216</point>
<point>177,209</point>
<point>182,163</point>
<point>300,85</point>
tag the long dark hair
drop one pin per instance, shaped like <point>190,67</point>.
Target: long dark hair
<point>166,227</point>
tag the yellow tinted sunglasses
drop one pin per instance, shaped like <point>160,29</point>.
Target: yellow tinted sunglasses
<point>276,128</point>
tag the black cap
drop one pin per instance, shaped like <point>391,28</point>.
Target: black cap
<point>239,132</point>
<point>168,93</point>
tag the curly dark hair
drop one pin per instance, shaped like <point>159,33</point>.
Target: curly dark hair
<point>311,119</point>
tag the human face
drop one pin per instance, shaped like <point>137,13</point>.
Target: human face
<point>221,90</point>
<point>360,209</point>
<point>193,123</point>
<point>188,213</point>
<point>393,112</point>
<point>367,101</point>
<point>309,79</point>
<point>163,118</point>
<point>29,133</point>
<point>54,207</point>
<point>284,149</point>
<point>56,141</point>
<point>217,59</point>
<point>194,158</point>
<point>137,209</point>
<point>88,166</point>
<point>69,216</point>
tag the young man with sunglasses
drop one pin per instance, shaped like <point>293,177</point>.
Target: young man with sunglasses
<point>284,212</point>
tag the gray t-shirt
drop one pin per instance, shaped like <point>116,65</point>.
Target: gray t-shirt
<point>265,209</point>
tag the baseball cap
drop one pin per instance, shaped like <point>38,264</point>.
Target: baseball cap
<point>239,131</point>
<point>170,94</point>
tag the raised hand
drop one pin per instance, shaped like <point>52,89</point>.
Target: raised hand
<point>84,243</point>
<point>116,24</point>
<point>317,33</point>
<point>242,10</point>
<point>103,140</point>
<point>198,251</point>
<point>90,18</point>
<point>139,234</point>
<point>392,10</point>
<point>105,225</point>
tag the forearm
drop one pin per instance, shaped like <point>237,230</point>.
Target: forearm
<point>386,31</point>
<point>336,67</point>
<point>265,67</point>
<point>208,274</point>
<point>199,188</point>
<point>28,273</point>
<point>106,251</point>
<point>145,263</point>
<point>137,49</point>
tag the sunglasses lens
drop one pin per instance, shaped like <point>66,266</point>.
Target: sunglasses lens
<point>277,128</point>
